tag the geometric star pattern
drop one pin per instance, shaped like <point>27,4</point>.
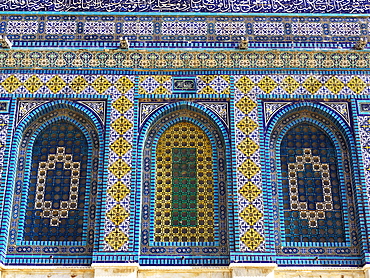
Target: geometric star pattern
<point>118,191</point>
<point>116,239</point>
<point>117,214</point>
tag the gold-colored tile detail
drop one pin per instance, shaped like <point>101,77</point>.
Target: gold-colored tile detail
<point>244,84</point>
<point>121,125</point>
<point>119,168</point>
<point>289,84</point>
<point>248,146</point>
<point>120,146</point>
<point>33,83</point>
<point>11,84</point>
<point>207,78</point>
<point>123,84</point>
<point>247,125</point>
<point>117,214</point>
<point>118,191</point>
<point>101,84</point>
<point>251,215</point>
<point>78,84</point>
<point>356,84</point>
<point>312,84</point>
<point>55,84</point>
<point>116,239</point>
<point>334,85</point>
<point>246,105</point>
<point>207,90</point>
<point>122,104</point>
<point>267,84</point>
<point>250,191</point>
<point>248,168</point>
<point>252,239</point>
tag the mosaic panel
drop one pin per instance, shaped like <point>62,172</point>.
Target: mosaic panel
<point>311,185</point>
<point>121,90</point>
<point>192,31</point>
<point>119,177</point>
<point>364,128</point>
<point>248,175</point>
<point>55,204</point>
<point>218,6</point>
<point>184,186</point>
<point>68,84</point>
<point>54,208</point>
<point>197,59</point>
<point>213,84</point>
<point>4,121</point>
<point>155,84</point>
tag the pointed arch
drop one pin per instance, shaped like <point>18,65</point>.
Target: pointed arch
<point>311,177</point>
<point>55,182</point>
<point>187,210</point>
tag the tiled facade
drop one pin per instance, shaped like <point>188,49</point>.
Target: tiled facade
<point>185,154</point>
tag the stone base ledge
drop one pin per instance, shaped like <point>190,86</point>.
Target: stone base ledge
<point>253,265</point>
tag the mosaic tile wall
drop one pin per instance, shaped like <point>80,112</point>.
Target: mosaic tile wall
<point>133,99</point>
<point>175,60</point>
<point>218,6</point>
<point>187,32</point>
<point>116,231</point>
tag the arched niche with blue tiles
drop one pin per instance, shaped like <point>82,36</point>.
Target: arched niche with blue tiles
<point>184,188</point>
<point>311,178</point>
<point>55,186</point>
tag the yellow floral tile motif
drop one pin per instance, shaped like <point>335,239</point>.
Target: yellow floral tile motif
<point>124,84</point>
<point>121,125</point>
<point>117,214</point>
<point>208,90</point>
<point>119,168</point>
<point>78,84</point>
<point>267,84</point>
<point>251,215</point>
<point>101,84</point>
<point>247,125</point>
<point>33,83</point>
<point>289,84</point>
<point>334,85</point>
<point>116,239</point>
<point>118,191</point>
<point>122,104</point>
<point>356,84</point>
<point>161,79</point>
<point>156,84</point>
<point>248,146</point>
<point>11,84</point>
<point>226,91</point>
<point>184,193</point>
<point>207,78</point>
<point>55,84</point>
<point>252,239</point>
<point>250,191</point>
<point>246,105</point>
<point>213,84</point>
<point>160,90</point>
<point>120,146</point>
<point>248,168</point>
<point>312,84</point>
<point>142,78</point>
<point>244,84</point>
<point>226,78</point>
